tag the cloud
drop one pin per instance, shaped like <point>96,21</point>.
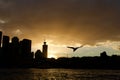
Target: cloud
<point>2,21</point>
<point>5,4</point>
<point>81,21</point>
<point>17,32</point>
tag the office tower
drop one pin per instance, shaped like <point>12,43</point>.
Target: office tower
<point>25,52</point>
<point>25,48</point>
<point>5,42</point>
<point>0,37</point>
<point>15,48</point>
<point>6,48</point>
<point>45,50</point>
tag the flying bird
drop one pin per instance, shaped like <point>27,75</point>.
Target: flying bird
<point>75,48</point>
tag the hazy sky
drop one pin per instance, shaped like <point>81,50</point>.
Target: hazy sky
<point>63,23</point>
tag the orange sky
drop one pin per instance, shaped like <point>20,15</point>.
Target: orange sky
<point>63,23</point>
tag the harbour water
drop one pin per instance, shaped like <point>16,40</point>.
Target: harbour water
<point>58,74</point>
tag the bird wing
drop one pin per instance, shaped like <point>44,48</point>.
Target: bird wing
<point>81,46</point>
<point>70,47</point>
<point>75,48</point>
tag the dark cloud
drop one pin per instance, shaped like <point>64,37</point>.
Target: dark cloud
<point>89,21</point>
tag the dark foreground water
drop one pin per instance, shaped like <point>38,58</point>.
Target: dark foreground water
<point>58,74</point>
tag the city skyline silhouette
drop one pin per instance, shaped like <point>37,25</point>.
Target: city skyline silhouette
<point>64,23</point>
<point>18,54</point>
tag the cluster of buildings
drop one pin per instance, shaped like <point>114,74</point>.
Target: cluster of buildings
<point>18,53</point>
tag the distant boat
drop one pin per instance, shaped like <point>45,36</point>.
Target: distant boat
<point>75,48</point>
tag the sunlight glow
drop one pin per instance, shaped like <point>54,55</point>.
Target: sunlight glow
<point>52,56</point>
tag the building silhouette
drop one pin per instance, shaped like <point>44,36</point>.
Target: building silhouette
<point>6,48</point>
<point>0,45</point>
<point>25,48</point>
<point>103,54</point>
<point>38,55</point>
<point>18,54</point>
<point>15,49</point>
<point>25,52</point>
<point>5,42</point>
<point>45,50</point>
<point>0,37</point>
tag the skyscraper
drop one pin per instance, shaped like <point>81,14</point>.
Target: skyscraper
<point>6,48</point>
<point>0,37</point>
<point>45,50</point>
<point>5,42</point>
<point>15,48</point>
<point>25,52</point>
<point>25,46</point>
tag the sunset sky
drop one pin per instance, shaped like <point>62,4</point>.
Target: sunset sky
<point>94,23</point>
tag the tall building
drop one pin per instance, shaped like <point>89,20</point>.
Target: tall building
<point>6,48</point>
<point>5,42</point>
<point>25,52</point>
<point>25,48</point>
<point>15,48</point>
<point>45,50</point>
<point>0,37</point>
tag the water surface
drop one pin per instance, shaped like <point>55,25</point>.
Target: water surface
<point>58,74</point>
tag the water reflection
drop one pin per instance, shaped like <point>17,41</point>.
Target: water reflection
<point>58,74</point>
